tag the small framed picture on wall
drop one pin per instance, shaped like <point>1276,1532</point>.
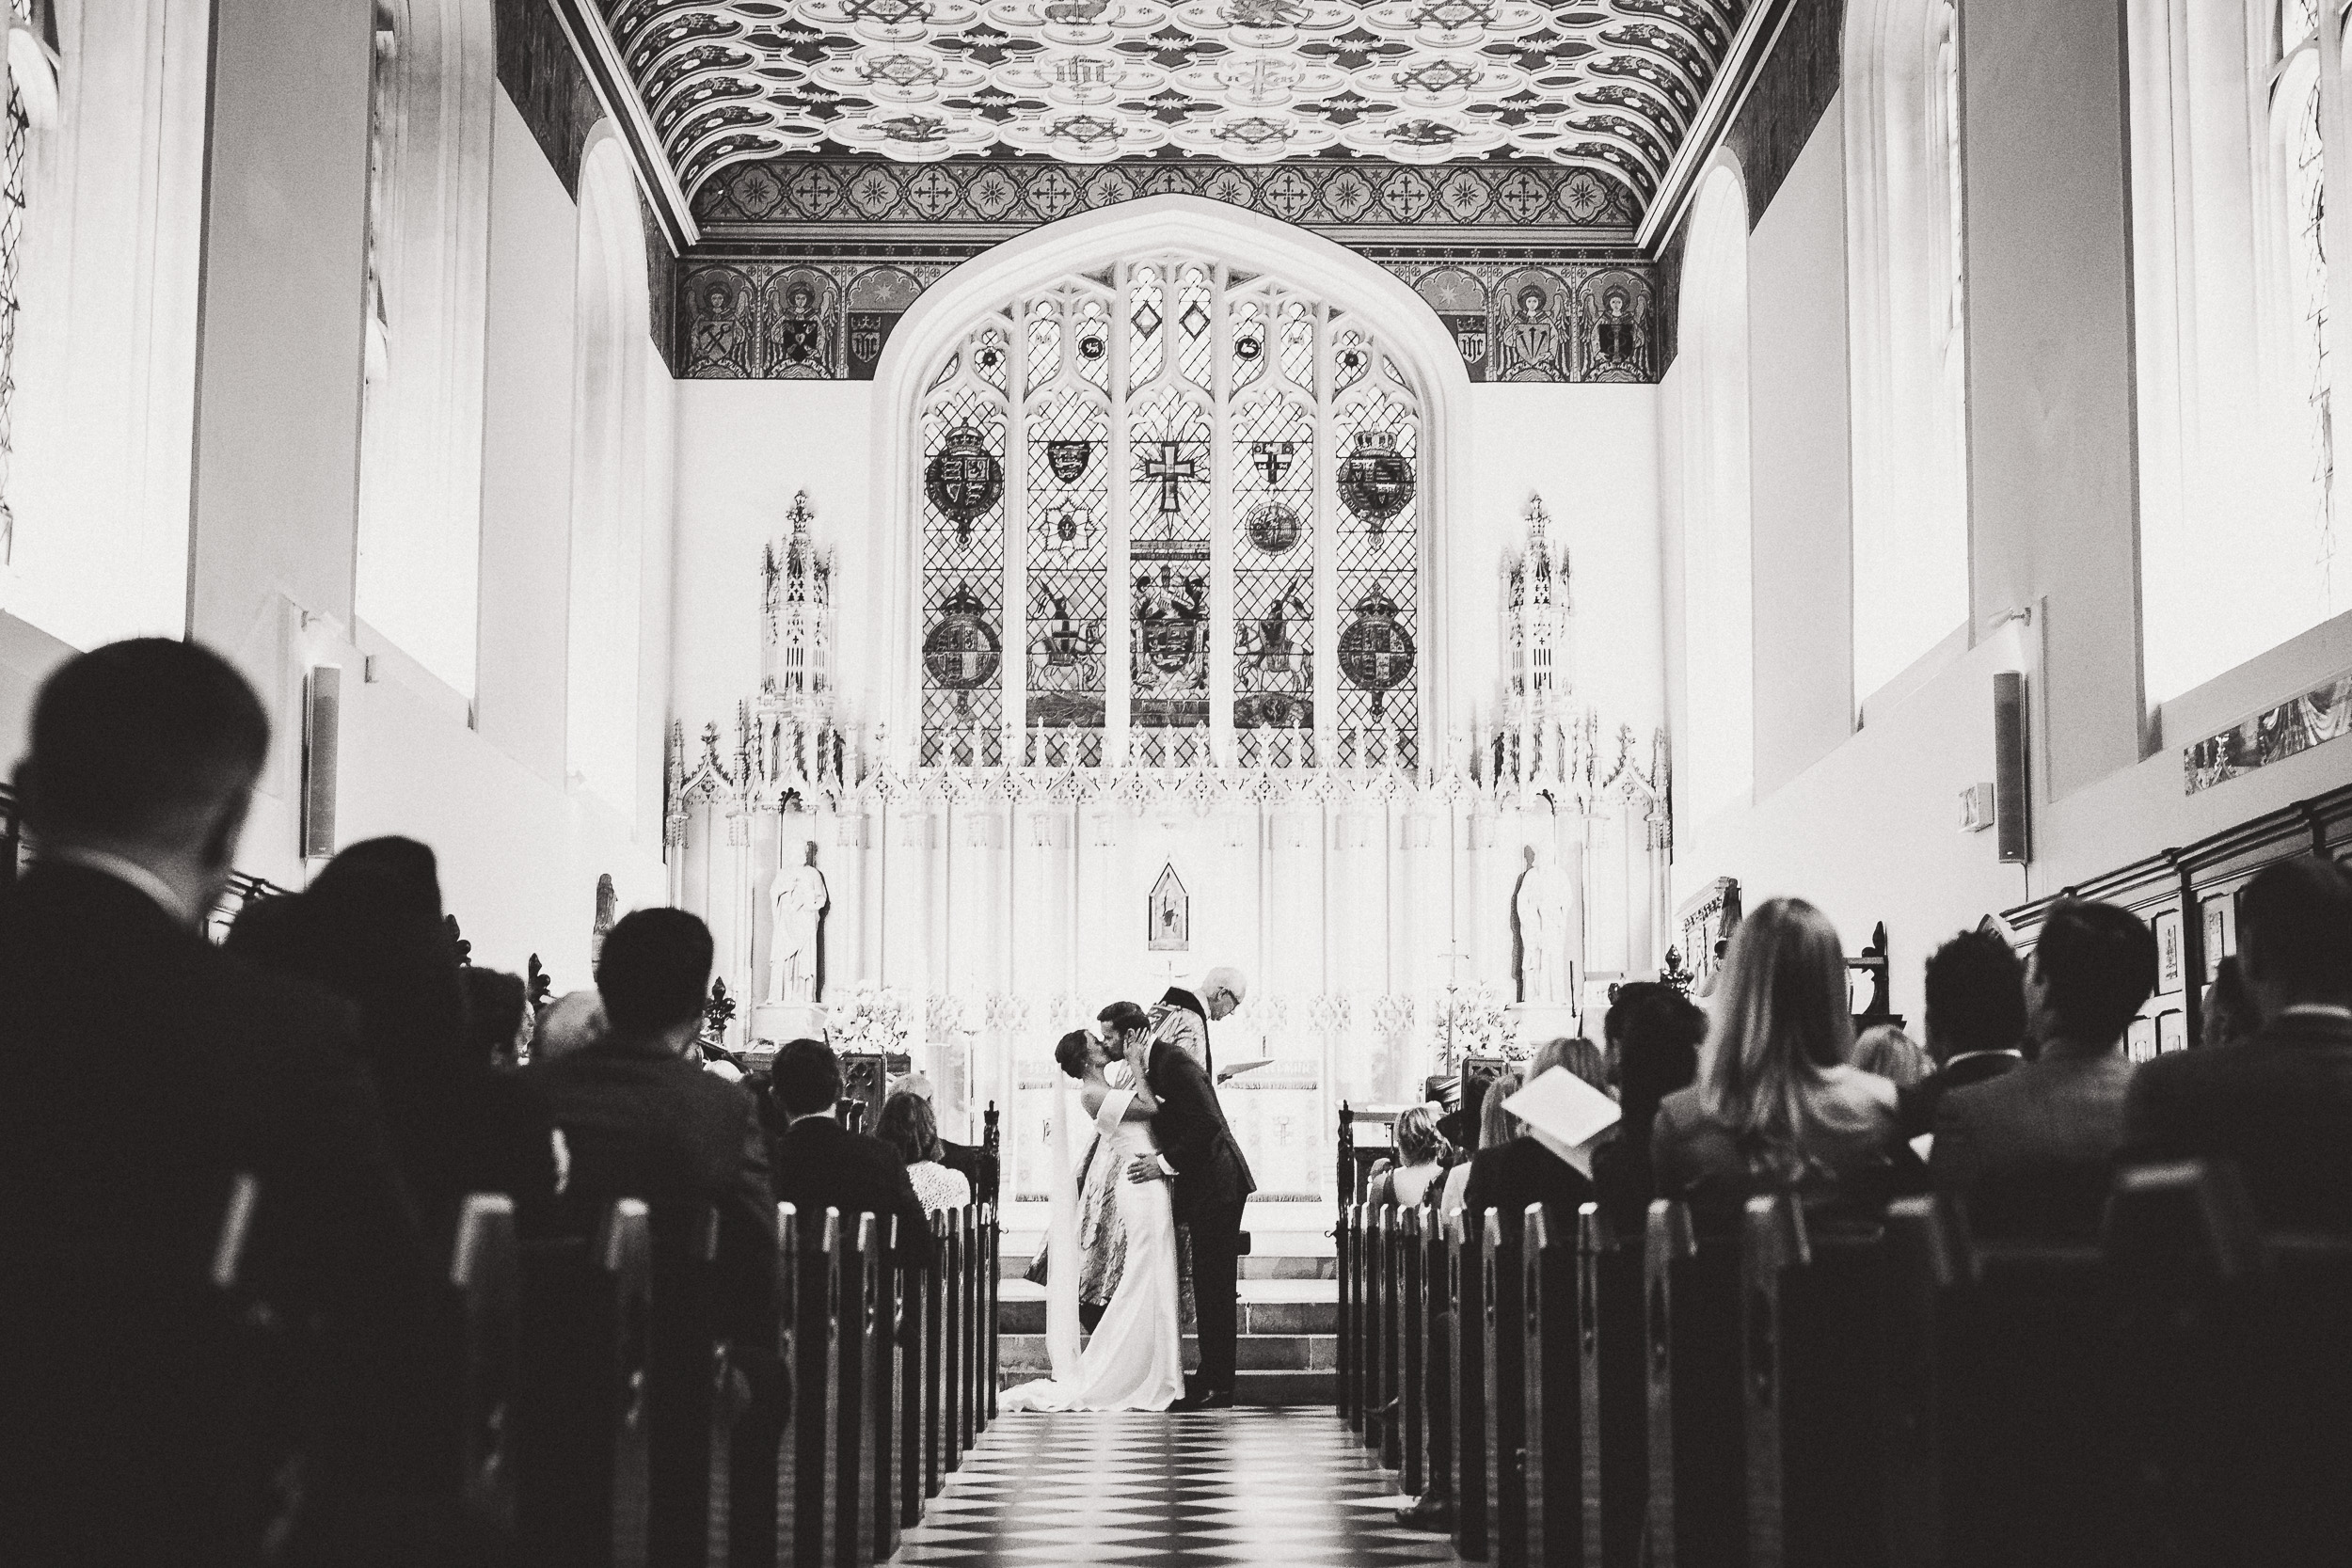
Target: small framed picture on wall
<point>2219,913</point>
<point>2172,1032</point>
<point>2168,929</point>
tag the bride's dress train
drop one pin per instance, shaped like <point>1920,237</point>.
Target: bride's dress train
<point>1135,1360</point>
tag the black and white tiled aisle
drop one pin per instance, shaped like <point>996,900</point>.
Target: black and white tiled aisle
<point>1217,1489</point>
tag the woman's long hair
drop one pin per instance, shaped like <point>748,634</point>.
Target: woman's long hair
<point>1780,1019</point>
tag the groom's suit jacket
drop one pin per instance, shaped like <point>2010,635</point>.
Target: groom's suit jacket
<point>1190,1124</point>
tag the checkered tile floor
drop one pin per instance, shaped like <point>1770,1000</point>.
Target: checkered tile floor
<point>1217,1489</point>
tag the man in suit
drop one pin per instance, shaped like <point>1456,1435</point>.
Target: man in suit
<point>2030,1149</point>
<point>140,1069</point>
<point>1975,1022</point>
<point>1211,1178</point>
<point>2279,1103</point>
<point>644,1120</point>
<point>821,1164</point>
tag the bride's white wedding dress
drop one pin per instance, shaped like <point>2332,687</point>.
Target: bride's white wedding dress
<point>1135,1360</point>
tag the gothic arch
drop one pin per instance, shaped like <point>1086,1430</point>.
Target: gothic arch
<point>925,335</point>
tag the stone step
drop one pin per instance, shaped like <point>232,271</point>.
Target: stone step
<point>1026,1314</point>
<point>1026,1354</point>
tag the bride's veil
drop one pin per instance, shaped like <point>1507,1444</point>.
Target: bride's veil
<point>1061,1273</point>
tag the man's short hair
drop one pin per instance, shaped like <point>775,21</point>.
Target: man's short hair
<point>655,970</point>
<point>1124,1015</point>
<point>1976,996</point>
<point>141,739</point>
<point>2295,929</point>
<point>806,1077</point>
<point>2097,964</point>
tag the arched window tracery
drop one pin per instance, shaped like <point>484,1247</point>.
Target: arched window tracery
<point>1200,487</point>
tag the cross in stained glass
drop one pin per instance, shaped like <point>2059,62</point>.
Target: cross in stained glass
<point>1174,471</point>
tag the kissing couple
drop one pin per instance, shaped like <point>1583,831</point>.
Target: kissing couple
<point>1162,1155</point>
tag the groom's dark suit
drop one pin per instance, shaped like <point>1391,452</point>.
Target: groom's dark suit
<point>1212,1184</point>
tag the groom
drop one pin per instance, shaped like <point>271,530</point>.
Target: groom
<point>1198,1155</point>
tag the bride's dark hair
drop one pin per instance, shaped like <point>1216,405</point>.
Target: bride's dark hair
<point>1072,1052</point>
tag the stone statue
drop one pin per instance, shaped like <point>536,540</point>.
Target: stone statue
<point>1545,904</point>
<point>798,899</point>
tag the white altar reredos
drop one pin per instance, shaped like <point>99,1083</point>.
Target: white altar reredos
<point>1260,708</point>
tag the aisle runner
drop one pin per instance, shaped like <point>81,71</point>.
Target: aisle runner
<point>1213,1490</point>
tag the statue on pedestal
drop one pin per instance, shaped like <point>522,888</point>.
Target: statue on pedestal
<point>1545,904</point>
<point>798,901</point>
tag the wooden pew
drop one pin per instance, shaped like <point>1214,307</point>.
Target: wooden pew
<point>1354,1389</point>
<point>1412,1348</point>
<point>486,1277</point>
<point>917,1325</point>
<point>765,1514</point>
<point>889,1330</point>
<point>937,1342</point>
<point>992,1280</point>
<point>1812,1307</point>
<point>1697,1494</point>
<point>1503,1356</point>
<point>256,1384</point>
<point>1464,1277</point>
<point>953,1370</point>
<point>858,1325</point>
<point>1342,1250</point>
<point>808,1460</point>
<point>1379,1244</point>
<point>583,1456</point>
<point>1612,1395</point>
<point>1924,1267</point>
<point>1553,1420</point>
<point>979,1368</point>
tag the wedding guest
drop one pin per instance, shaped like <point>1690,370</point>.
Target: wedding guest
<point>1421,1157</point>
<point>1496,1126</point>
<point>907,1125</point>
<point>371,930</point>
<point>644,1120</point>
<point>1777,1105</point>
<point>973,1162</point>
<point>2279,1103</point>
<point>571,1021</point>
<point>1655,1032</point>
<point>2030,1151</point>
<point>1579,1057</point>
<point>1976,1021</point>
<point>822,1164</point>
<point>2229,1013</point>
<point>1518,1170</point>
<point>1885,1049</point>
<point>496,1016</point>
<point>141,1069</point>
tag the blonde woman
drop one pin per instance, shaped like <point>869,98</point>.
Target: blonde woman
<point>1422,1155</point>
<point>1778,1105</point>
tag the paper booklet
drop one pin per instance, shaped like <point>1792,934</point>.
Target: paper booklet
<point>1564,1113</point>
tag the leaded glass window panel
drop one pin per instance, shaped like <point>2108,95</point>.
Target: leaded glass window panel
<point>1217,482</point>
<point>963,555</point>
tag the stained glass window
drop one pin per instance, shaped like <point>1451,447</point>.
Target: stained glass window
<point>15,149</point>
<point>1218,481</point>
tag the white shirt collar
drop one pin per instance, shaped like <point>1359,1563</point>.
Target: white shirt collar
<point>2317,1009</point>
<point>130,872</point>
<point>2007,1051</point>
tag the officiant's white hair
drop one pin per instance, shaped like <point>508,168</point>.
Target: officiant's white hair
<point>1225,978</point>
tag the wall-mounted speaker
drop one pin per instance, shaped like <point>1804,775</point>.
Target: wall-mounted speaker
<point>2011,797</point>
<point>322,740</point>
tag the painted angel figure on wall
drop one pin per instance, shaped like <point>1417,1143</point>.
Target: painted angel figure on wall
<point>716,345</point>
<point>1533,346</point>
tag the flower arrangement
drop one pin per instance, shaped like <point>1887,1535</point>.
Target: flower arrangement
<point>1473,1020</point>
<point>874,1018</point>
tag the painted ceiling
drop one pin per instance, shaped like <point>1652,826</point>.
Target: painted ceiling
<point>1611,85</point>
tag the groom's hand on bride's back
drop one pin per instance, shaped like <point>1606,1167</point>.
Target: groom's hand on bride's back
<point>1145,1167</point>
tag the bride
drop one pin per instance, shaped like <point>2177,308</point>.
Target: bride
<point>1135,1361</point>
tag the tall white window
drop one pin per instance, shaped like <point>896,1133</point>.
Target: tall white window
<point>1712,422</point>
<point>1907,274</point>
<point>612,346</point>
<point>1198,490</point>
<point>427,281</point>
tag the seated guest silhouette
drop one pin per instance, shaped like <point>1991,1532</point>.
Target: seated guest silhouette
<point>2280,1103</point>
<point>1777,1107</point>
<point>908,1126</point>
<point>644,1120</point>
<point>1654,1033</point>
<point>821,1164</point>
<point>1515,1170</point>
<point>1976,1021</point>
<point>2030,1151</point>
<point>140,1069</point>
<point>1421,1158</point>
